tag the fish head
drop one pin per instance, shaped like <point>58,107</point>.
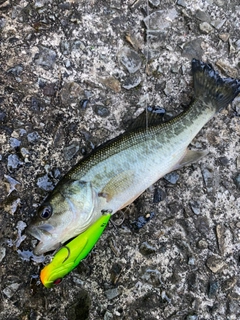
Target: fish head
<point>65,213</point>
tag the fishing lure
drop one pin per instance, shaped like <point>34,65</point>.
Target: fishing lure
<point>70,255</point>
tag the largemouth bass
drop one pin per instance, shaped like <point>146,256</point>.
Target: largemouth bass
<point>116,173</point>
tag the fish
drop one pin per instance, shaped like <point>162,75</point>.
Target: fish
<point>71,254</point>
<point>120,170</point>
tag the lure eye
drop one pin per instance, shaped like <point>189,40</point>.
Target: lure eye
<point>57,281</point>
<point>46,212</point>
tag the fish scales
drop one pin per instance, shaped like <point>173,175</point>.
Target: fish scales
<point>117,172</point>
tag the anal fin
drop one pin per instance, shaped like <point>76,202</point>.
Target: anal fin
<point>190,157</point>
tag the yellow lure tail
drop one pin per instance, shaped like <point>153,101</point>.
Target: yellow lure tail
<point>69,256</point>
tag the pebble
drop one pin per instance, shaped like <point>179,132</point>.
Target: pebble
<point>12,183</point>
<point>152,276</point>
<point>44,183</point>
<point>192,317</point>
<point>214,286</point>
<point>14,143</point>
<point>111,83</point>
<point>203,16</point>
<point>70,151</point>
<point>208,178</point>
<point>215,264</point>
<point>112,293</point>
<point>70,93</point>
<point>217,24</point>
<point>224,36</point>
<point>160,20</point>
<point>2,253</point>
<point>195,206</point>
<point>193,49</point>
<point>172,177</point>
<point>146,249</point>
<point>181,3</point>
<point>220,232</point>
<point>108,316</point>
<point>33,137</point>
<point>101,110</point>
<point>11,289</point>
<point>130,59</point>
<point>205,27</point>
<point>45,58</point>
<point>13,162</point>
<point>202,244</point>
<point>236,180</point>
<point>154,3</point>
<point>227,68</point>
<point>131,82</point>
<point>159,195</point>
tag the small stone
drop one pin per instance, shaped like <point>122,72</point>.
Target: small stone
<point>70,151</point>
<point>236,180</point>
<point>101,110</point>
<point>112,293</point>
<point>208,178</point>
<point>181,3</point>
<point>202,224</point>
<point>146,249</point>
<point>195,206</point>
<point>192,317</point>
<point>202,244</point>
<point>11,289</point>
<point>44,183</point>
<point>14,143</point>
<point>215,264</point>
<point>228,284</point>
<point>131,82</point>
<point>12,183</point>
<point>130,59</point>
<point>217,24</point>
<point>152,276</point>
<point>227,68</point>
<point>13,162</point>
<point>224,161</point>
<point>159,195</point>
<point>205,27</point>
<point>70,93</point>
<point>160,20</point>
<point>111,83</point>
<point>238,163</point>
<point>214,286</point>
<point>193,49</point>
<point>172,177</point>
<point>224,36</point>
<point>2,253</point>
<point>220,231</point>
<point>154,3</point>
<point>203,16</point>
<point>108,316</point>
<point>191,261</point>
<point>33,137</point>
<point>45,58</point>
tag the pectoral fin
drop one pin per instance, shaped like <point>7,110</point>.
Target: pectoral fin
<point>117,184</point>
<point>190,157</point>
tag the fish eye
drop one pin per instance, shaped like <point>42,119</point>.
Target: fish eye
<point>46,212</point>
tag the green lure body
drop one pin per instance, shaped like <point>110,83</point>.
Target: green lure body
<point>69,256</point>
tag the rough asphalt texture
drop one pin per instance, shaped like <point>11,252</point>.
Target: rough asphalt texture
<point>73,75</point>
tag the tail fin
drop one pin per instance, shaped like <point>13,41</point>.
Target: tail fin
<point>210,87</point>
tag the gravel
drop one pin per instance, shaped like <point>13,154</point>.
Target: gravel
<point>75,74</point>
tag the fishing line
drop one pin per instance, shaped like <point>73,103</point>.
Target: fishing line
<point>146,68</point>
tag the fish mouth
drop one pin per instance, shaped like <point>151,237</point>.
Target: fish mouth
<point>40,231</point>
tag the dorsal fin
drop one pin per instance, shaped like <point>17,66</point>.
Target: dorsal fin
<point>152,116</point>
